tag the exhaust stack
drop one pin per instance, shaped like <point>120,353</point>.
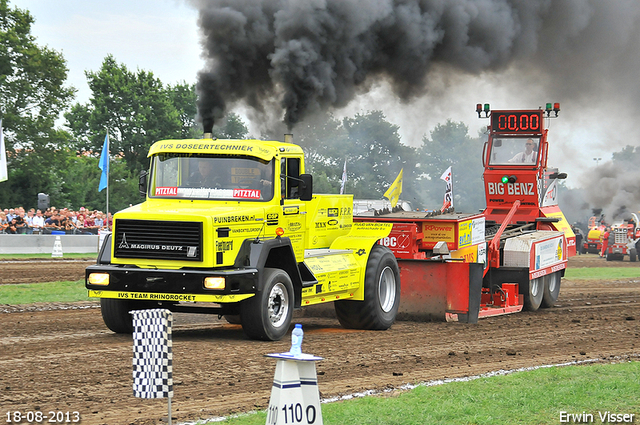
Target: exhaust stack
<point>207,126</point>
<point>288,138</point>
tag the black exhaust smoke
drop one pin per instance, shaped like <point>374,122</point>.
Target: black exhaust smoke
<point>210,102</point>
<point>317,55</point>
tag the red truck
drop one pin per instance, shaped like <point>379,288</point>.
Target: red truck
<point>624,239</point>
<point>457,266</point>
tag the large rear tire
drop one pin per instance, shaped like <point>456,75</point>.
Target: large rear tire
<point>379,309</point>
<point>551,289</point>
<point>534,294</point>
<point>267,315</point>
<point>115,314</point>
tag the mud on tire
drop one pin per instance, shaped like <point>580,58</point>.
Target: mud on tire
<point>381,294</point>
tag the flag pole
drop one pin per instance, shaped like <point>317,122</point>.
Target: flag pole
<point>103,164</point>
<point>108,179</point>
<point>4,173</point>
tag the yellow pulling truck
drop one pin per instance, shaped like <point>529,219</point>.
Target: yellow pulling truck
<point>232,227</point>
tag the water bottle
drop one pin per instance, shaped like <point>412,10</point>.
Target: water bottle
<point>296,340</point>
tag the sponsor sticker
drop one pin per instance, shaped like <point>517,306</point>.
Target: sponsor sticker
<point>469,254</point>
<point>291,210</point>
<point>166,191</point>
<point>246,193</point>
<point>436,231</point>
<point>548,253</point>
<point>464,234</point>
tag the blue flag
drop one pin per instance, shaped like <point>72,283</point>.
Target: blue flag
<point>104,164</point>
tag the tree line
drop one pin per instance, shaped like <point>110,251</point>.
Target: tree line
<point>136,109</point>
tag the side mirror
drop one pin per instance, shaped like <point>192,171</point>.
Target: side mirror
<point>306,187</point>
<point>142,183</point>
<point>559,176</point>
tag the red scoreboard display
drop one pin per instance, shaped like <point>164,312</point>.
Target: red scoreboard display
<point>514,122</point>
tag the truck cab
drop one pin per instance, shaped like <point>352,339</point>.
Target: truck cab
<point>232,227</point>
<point>532,237</point>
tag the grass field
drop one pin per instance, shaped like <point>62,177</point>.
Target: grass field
<point>29,293</point>
<point>602,273</point>
<point>542,396</point>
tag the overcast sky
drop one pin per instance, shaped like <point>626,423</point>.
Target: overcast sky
<point>155,35</point>
<point>162,36</point>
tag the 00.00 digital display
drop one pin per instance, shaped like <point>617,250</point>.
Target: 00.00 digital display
<point>516,122</point>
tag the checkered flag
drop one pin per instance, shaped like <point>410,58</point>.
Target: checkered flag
<point>152,353</point>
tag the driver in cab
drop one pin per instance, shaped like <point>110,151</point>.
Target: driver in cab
<point>204,176</point>
<point>528,156</point>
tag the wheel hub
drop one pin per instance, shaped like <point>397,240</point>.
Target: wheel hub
<point>278,304</point>
<point>387,289</point>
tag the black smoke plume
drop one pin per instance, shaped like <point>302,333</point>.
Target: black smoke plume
<point>615,187</point>
<point>315,55</point>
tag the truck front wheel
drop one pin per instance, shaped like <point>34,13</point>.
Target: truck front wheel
<point>267,315</point>
<point>533,294</point>
<point>551,289</point>
<point>381,294</point>
<point>115,314</point>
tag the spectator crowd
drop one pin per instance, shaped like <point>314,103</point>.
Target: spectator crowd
<point>53,221</point>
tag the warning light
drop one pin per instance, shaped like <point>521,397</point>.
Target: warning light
<point>509,179</point>
<point>279,231</point>
<point>555,108</point>
<point>480,108</point>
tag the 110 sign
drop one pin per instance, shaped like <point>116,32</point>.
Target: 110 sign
<point>293,414</point>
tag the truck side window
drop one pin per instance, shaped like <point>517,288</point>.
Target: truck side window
<point>290,172</point>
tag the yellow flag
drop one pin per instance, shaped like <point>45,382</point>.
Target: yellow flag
<point>394,191</point>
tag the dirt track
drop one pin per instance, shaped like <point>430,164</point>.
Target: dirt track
<point>67,360</point>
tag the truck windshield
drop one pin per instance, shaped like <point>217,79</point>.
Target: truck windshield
<point>211,177</point>
<point>512,150</point>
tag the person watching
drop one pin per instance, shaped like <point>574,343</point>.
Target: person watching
<point>12,229</point>
<point>20,223</point>
<point>529,155</point>
<point>29,219</point>
<point>4,224</point>
<point>53,223</point>
<point>38,222</point>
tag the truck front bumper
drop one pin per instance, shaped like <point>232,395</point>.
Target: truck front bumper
<point>183,285</point>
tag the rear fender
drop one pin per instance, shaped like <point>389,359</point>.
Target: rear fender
<point>360,240</point>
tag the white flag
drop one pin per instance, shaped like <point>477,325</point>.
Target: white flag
<point>344,177</point>
<point>3,157</point>
<point>448,194</point>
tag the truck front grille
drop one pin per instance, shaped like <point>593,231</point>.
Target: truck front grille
<point>159,240</point>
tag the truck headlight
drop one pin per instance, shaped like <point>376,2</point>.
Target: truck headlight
<point>99,279</point>
<point>214,282</point>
